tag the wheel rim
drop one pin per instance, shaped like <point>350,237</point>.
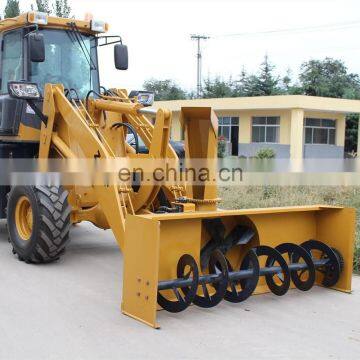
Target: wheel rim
<point>24,218</point>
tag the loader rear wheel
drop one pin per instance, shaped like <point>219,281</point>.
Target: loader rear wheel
<point>38,222</point>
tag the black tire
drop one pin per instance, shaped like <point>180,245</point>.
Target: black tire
<point>179,148</point>
<point>50,223</point>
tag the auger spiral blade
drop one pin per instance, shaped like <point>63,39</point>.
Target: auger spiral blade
<point>326,261</point>
<point>241,289</point>
<point>186,295</point>
<point>303,278</point>
<point>279,281</point>
<point>217,266</point>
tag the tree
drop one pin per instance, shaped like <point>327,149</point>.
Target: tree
<point>251,86</point>
<point>239,87</point>
<point>329,78</point>
<point>217,88</point>
<point>43,6</point>
<point>262,84</point>
<point>61,8</point>
<point>267,82</point>
<point>12,9</point>
<point>286,82</point>
<point>288,87</point>
<point>165,89</point>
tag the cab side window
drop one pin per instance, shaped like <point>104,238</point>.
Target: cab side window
<point>12,59</point>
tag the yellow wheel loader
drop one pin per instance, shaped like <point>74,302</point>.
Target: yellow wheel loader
<point>179,247</point>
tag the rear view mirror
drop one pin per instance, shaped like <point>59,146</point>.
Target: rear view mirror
<point>121,57</point>
<point>36,47</point>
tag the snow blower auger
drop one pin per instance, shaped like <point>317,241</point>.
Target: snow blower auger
<point>179,248</point>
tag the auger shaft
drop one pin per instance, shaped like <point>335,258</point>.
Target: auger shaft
<point>292,267</point>
<point>235,275</point>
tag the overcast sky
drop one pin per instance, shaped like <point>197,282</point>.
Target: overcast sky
<point>158,36</point>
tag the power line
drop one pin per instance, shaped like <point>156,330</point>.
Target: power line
<point>331,26</point>
<point>314,28</point>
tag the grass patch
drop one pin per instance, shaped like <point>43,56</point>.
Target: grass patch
<point>243,197</point>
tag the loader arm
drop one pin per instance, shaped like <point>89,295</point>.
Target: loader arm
<point>156,138</point>
<point>114,200</point>
<point>92,146</point>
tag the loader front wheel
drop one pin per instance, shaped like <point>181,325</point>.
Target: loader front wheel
<point>38,222</point>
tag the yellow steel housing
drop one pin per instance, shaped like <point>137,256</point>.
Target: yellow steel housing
<point>165,238</point>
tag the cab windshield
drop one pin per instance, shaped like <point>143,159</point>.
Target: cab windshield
<point>68,62</point>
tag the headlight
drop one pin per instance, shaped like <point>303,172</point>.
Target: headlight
<point>143,97</point>
<point>99,26</point>
<point>23,90</point>
<point>37,17</point>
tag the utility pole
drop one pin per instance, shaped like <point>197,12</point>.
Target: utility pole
<point>198,38</point>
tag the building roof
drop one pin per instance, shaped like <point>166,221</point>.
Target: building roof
<point>313,103</point>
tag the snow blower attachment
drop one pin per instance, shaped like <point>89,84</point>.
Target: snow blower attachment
<point>179,248</point>
<point>203,258</point>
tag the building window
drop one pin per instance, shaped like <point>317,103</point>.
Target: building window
<point>320,131</point>
<point>227,126</point>
<point>265,129</point>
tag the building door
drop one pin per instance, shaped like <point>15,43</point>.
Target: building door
<point>235,140</point>
<point>229,129</point>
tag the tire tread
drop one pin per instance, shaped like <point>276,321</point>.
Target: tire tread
<point>54,215</point>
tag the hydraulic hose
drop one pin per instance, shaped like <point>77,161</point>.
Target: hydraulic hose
<point>132,130</point>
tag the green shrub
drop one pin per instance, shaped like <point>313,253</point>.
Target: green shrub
<point>357,256</point>
<point>221,147</point>
<point>266,153</point>
<point>269,192</point>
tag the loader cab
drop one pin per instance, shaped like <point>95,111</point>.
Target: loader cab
<point>70,59</point>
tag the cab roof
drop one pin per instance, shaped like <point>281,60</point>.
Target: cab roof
<point>53,22</point>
